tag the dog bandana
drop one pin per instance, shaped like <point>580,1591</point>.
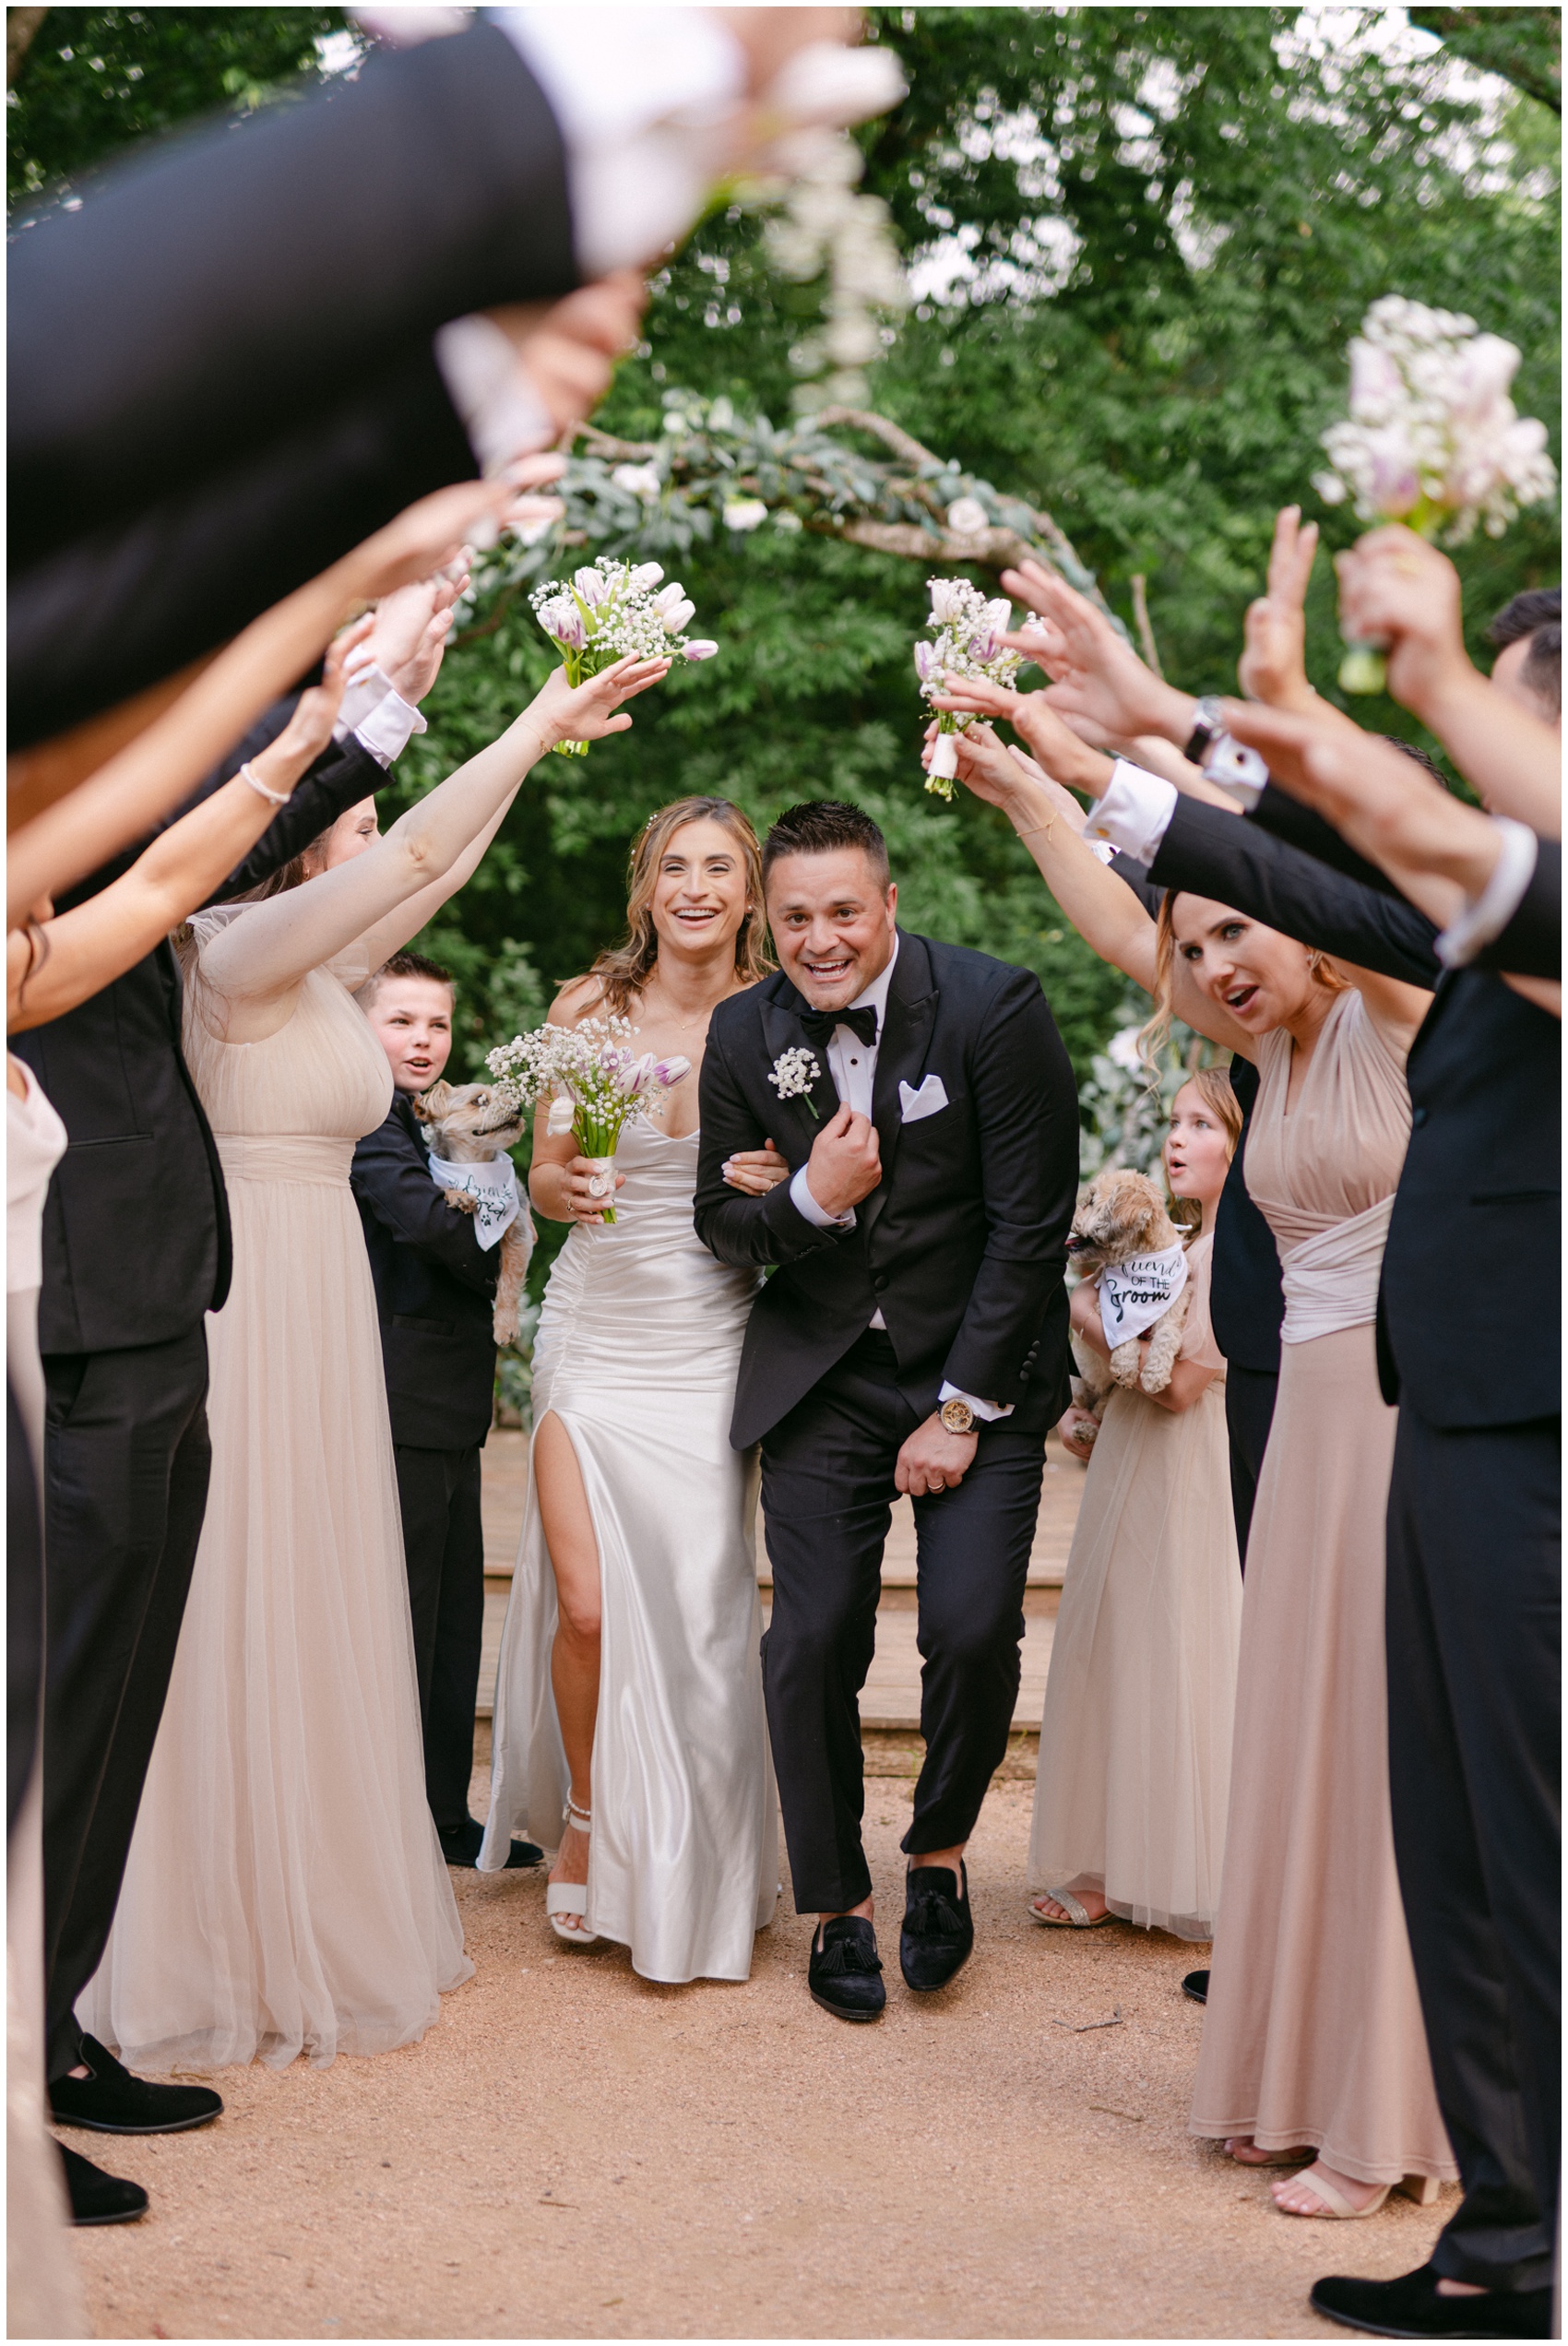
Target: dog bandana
<point>493,1187</point>
<point>1134,1294</point>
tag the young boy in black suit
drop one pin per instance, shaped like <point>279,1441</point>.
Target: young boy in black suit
<point>434,1295</point>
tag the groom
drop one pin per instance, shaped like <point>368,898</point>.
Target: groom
<point>912,1337</point>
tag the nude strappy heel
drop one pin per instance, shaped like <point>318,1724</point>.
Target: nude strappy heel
<point>1423,2189</point>
<point>571,1898</point>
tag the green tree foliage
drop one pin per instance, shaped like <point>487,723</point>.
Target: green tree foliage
<point>1522,44</point>
<point>1140,240</point>
<point>93,79</point>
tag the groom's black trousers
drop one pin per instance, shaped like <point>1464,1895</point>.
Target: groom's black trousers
<point>827,1491</point>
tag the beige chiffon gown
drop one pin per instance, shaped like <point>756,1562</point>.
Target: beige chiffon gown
<point>1312,2030</point>
<point>1134,1743</point>
<point>286,1892</point>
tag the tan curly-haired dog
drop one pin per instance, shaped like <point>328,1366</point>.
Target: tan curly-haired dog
<point>472,1123</point>
<point>1123,1214</point>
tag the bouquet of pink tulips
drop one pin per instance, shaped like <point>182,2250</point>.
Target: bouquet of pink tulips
<point>968,632</point>
<point>1433,438</point>
<point>609,611</point>
<point>595,1082</point>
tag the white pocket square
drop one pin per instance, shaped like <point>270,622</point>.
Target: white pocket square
<point>931,1097</point>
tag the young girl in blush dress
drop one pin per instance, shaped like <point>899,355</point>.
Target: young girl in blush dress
<point>1135,1744</point>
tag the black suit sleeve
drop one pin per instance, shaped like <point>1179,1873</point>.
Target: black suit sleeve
<point>1302,826</point>
<point>215,294</point>
<point>137,599</point>
<point>1207,852</point>
<point>747,1232</point>
<point>391,1177</point>
<point>1026,1106</point>
<point>1531,944</point>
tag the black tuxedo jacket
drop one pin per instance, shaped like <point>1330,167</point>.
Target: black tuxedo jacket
<point>135,1225</point>
<point>434,1291</point>
<point>1480,1187</point>
<point>961,1247</point>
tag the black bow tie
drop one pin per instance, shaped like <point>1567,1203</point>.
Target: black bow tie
<point>819,1024</point>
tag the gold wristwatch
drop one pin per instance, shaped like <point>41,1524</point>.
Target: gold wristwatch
<point>957,1416</point>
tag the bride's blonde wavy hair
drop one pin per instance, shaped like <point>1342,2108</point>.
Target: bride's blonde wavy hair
<point>623,970</point>
<point>1154,1032</point>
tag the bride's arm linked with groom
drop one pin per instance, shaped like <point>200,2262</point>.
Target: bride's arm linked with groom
<point>911,1336</point>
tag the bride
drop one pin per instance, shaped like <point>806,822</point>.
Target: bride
<point>630,1686</point>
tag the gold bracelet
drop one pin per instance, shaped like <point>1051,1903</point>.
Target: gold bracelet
<point>1038,830</point>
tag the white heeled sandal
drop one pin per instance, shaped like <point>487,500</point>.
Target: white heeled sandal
<point>571,1898</point>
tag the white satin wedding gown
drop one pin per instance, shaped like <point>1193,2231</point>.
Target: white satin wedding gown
<point>636,1354</point>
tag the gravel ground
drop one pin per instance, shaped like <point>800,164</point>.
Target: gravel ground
<point>572,2152</point>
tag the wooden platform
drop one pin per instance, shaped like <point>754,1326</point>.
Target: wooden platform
<point>891,1699</point>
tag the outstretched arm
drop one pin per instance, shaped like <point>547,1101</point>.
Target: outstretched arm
<point>85,950</point>
<point>1103,909</point>
<point>278,943</point>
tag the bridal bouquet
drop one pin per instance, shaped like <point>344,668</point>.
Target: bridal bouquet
<point>968,632</point>
<point>1433,438</point>
<point>596,1083</point>
<point>609,611</point>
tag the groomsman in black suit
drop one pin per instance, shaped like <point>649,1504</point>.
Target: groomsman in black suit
<point>912,1338</point>
<point>135,1254</point>
<point>1474,1525</point>
<point>434,1297</point>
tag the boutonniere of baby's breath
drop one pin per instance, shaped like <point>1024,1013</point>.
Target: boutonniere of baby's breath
<point>793,1073</point>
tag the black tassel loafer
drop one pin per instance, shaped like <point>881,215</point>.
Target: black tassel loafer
<point>1412,2307</point>
<point>845,1973</point>
<point>939,1932</point>
<point>96,2198</point>
<point>108,2100</point>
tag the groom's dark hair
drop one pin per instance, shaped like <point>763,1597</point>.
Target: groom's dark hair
<point>820,827</point>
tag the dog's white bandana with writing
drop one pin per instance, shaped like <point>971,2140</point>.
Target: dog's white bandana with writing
<point>493,1187</point>
<point>1134,1294</point>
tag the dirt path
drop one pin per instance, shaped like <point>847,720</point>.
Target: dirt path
<point>574,2154</point>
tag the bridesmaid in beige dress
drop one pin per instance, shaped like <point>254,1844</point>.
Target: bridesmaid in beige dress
<point>1313,2036</point>
<point>285,1891</point>
<point>1134,1743</point>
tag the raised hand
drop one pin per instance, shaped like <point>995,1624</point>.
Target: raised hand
<point>586,713</point>
<point>1095,673</point>
<point>409,638</point>
<point>1273,667</point>
<point>1064,756</point>
<point>1397,591</point>
<point>309,730</point>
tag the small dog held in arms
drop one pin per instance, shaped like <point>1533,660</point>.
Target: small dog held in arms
<point>1123,1230</point>
<point>474,1123</point>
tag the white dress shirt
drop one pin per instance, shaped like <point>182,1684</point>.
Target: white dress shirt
<point>1134,814</point>
<point>852,1064</point>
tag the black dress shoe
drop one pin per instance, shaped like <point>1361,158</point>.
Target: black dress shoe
<point>845,1972</point>
<point>1196,1984</point>
<point>1411,2307</point>
<point>938,1932</point>
<point>110,2101</point>
<point>96,2198</point>
<point>462,1848</point>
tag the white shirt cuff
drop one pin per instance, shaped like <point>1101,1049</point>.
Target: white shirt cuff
<point>487,383</point>
<point>367,690</point>
<point>644,101</point>
<point>987,1412</point>
<point>1134,814</point>
<point>1489,914</point>
<point>386,730</point>
<point>804,1203</point>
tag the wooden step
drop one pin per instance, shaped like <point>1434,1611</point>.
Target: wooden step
<point>891,1698</point>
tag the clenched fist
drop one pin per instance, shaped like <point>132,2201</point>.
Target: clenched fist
<point>844,1164</point>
